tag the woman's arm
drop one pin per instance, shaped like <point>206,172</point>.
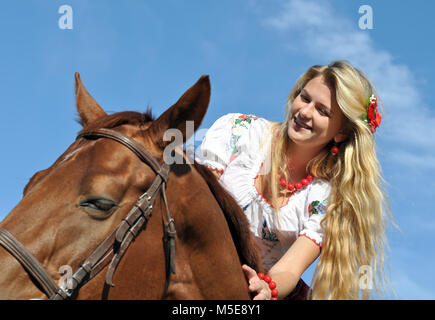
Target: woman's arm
<point>287,271</point>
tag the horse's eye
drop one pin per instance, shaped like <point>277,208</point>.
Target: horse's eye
<point>98,207</point>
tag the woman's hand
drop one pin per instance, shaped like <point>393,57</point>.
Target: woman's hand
<point>260,287</point>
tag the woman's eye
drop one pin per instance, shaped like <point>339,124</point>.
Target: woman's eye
<point>324,112</point>
<point>304,98</point>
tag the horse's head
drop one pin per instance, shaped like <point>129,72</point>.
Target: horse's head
<point>69,208</point>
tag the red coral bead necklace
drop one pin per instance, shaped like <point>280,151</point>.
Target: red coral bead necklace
<point>296,186</point>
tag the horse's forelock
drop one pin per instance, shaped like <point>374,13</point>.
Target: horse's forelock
<point>120,118</point>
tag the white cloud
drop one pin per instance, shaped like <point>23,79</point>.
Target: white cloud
<point>327,36</point>
<point>413,160</point>
<point>302,14</point>
<point>408,289</point>
<point>403,279</point>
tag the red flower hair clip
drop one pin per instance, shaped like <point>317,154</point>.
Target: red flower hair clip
<point>372,117</point>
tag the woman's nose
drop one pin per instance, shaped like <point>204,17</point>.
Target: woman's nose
<point>306,111</point>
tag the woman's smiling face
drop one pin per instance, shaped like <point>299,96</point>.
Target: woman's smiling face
<point>316,118</point>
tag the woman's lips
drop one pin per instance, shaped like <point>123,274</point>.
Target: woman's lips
<point>300,125</point>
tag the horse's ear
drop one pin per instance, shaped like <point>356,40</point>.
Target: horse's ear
<point>88,109</point>
<point>192,106</point>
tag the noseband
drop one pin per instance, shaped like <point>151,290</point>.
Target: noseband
<point>113,248</point>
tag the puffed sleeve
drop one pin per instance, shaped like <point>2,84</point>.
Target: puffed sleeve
<point>221,142</point>
<point>315,210</point>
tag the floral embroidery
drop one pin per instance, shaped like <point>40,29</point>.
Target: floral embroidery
<point>267,234</point>
<point>317,207</point>
<point>240,124</point>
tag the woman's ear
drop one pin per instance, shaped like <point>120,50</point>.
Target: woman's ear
<point>344,133</point>
<point>341,136</point>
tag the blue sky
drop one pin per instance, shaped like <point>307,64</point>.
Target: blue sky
<point>134,54</point>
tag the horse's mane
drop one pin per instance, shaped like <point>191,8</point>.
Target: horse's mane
<point>236,219</point>
<point>237,222</point>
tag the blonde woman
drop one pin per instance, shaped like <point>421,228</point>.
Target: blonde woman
<point>310,186</point>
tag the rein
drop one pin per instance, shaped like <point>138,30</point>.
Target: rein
<point>114,247</point>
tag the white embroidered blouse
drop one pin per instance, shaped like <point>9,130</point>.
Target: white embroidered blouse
<point>238,145</point>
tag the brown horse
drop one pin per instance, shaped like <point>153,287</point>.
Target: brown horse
<point>68,209</point>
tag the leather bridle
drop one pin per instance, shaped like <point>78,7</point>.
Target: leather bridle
<point>113,248</point>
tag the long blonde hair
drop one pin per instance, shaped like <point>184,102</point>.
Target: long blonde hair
<point>354,224</point>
